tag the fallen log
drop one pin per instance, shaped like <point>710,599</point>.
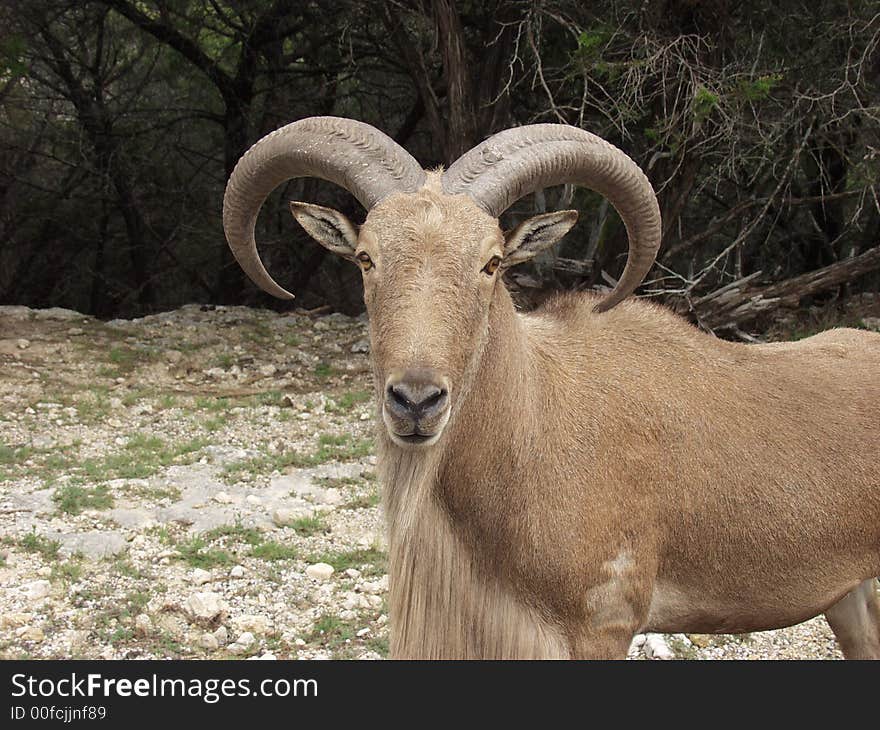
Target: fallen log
<point>743,300</point>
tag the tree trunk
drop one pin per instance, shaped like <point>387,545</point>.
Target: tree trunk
<point>461,121</point>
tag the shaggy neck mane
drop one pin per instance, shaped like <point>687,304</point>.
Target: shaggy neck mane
<point>445,602</point>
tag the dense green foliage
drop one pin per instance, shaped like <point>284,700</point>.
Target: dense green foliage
<point>120,120</point>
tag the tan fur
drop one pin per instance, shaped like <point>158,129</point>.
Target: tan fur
<point>604,474</point>
<point>444,605</point>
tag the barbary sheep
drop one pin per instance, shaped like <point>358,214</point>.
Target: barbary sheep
<point>557,481</point>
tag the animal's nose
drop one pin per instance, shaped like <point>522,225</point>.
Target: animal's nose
<point>416,395</point>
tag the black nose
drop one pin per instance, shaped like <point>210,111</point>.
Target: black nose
<point>415,396</point>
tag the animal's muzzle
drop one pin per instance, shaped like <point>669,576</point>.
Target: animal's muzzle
<point>416,405</point>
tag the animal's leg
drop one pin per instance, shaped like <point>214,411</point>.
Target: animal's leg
<point>608,642</point>
<point>614,608</point>
<point>855,621</point>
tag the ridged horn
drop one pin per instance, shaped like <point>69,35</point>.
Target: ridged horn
<point>513,163</point>
<point>354,155</point>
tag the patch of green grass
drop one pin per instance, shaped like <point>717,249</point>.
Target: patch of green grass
<point>120,612</point>
<point>234,533</point>
<point>197,554</point>
<point>224,360</point>
<point>271,550</point>
<point>196,346</point>
<point>345,402</point>
<point>267,398</point>
<point>140,458</point>
<point>330,631</point>
<point>201,552</point>
<point>121,634</point>
<point>69,571</point>
<point>143,442</point>
<point>34,543</point>
<point>338,482</point>
<point>123,359</point>
<point>308,526</point>
<point>245,469</point>
<point>120,355</point>
<point>273,643</point>
<point>74,498</point>
<point>370,561</point>
<point>331,440</point>
<point>215,405</point>
<point>128,358</point>
<point>94,408</point>
<point>212,425</point>
<point>330,448</point>
<point>12,459</point>
<point>341,448</point>
<point>85,596</point>
<point>292,339</point>
<point>259,333</point>
<point>134,603</point>
<point>363,501</point>
<point>43,463</point>
<point>167,402</point>
<point>125,568</point>
<point>323,370</point>
<point>162,533</point>
<point>339,637</point>
<point>164,644</point>
<point>153,492</point>
<point>378,644</point>
<point>274,575</point>
<point>371,497</point>
<point>56,462</point>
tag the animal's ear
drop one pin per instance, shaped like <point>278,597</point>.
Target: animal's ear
<point>328,227</point>
<point>532,236</point>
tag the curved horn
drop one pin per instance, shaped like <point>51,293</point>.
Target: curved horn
<point>516,162</point>
<point>354,155</point>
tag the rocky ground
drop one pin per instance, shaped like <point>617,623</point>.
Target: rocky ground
<point>201,483</point>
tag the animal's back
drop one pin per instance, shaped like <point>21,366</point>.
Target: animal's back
<point>684,398</point>
<point>647,356</point>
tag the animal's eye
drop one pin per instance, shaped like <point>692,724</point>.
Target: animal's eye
<point>364,260</point>
<point>492,266</point>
